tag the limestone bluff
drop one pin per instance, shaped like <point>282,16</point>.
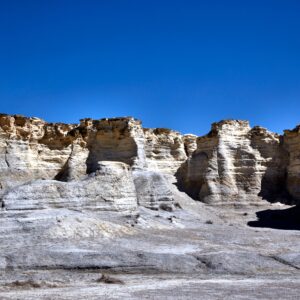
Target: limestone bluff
<point>116,164</point>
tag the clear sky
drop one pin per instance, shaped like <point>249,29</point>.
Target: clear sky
<point>177,64</point>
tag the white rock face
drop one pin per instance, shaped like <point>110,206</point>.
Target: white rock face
<point>232,164</point>
<point>111,188</point>
<point>235,164</point>
<point>165,150</point>
<point>87,166</point>
<point>31,149</point>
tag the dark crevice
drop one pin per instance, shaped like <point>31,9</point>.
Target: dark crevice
<point>63,174</point>
<point>282,261</point>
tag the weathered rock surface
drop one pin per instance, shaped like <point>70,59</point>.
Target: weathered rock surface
<point>165,150</point>
<point>111,187</point>
<point>65,155</point>
<point>232,164</point>
<point>101,197</point>
<point>153,190</point>
<point>292,144</point>
<point>190,143</point>
<point>236,164</point>
<point>31,149</point>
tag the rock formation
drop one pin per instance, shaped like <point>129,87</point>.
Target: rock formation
<point>111,187</point>
<point>164,150</point>
<point>232,164</point>
<point>236,164</point>
<point>95,163</point>
<point>108,196</point>
<point>292,145</point>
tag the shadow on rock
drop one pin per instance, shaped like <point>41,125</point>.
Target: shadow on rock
<point>287,219</point>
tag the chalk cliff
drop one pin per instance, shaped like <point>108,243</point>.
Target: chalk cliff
<point>235,164</point>
<point>116,164</point>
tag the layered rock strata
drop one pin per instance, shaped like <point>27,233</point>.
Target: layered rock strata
<point>236,164</point>
<point>44,165</point>
<point>164,150</point>
<point>116,164</point>
<point>110,188</point>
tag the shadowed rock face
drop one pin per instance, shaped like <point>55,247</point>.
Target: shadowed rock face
<point>153,190</point>
<point>292,145</point>
<point>232,164</point>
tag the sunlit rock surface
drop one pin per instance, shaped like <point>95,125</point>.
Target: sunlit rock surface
<point>164,149</point>
<point>235,163</point>
<point>231,164</point>
<point>161,214</point>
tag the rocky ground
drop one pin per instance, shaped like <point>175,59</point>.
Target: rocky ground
<point>193,252</point>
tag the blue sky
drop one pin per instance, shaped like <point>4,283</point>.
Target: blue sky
<point>177,64</point>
